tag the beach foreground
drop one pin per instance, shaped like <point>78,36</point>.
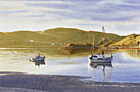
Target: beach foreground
<point>20,82</point>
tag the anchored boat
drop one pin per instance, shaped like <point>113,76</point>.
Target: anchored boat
<point>100,58</point>
<point>37,58</point>
<point>97,58</point>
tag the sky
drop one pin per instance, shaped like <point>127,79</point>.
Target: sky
<point>121,17</point>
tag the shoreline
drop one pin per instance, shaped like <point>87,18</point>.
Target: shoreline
<point>20,82</point>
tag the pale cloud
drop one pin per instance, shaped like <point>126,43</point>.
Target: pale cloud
<point>120,17</point>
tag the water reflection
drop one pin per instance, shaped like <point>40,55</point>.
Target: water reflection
<point>125,68</point>
<point>135,53</point>
<point>103,66</point>
<point>38,63</point>
<point>78,51</point>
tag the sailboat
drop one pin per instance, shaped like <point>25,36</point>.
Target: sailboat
<point>100,58</point>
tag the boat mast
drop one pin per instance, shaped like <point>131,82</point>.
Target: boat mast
<point>93,41</point>
<point>102,41</point>
<point>106,40</point>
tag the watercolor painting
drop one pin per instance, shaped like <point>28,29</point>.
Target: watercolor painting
<point>69,46</point>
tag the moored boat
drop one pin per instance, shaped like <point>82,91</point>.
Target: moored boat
<point>97,58</point>
<point>100,58</point>
<point>37,58</point>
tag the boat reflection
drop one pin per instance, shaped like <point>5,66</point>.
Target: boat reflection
<point>104,65</point>
<point>38,63</point>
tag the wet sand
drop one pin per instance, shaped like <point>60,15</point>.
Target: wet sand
<point>20,82</point>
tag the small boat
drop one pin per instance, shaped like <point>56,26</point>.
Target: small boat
<point>97,58</point>
<point>37,58</point>
<point>100,58</point>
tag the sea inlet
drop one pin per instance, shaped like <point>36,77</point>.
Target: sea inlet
<point>125,66</point>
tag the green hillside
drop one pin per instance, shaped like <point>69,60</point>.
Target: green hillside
<point>58,36</point>
<point>132,40</point>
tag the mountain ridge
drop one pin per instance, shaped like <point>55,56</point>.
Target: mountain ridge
<point>132,40</point>
<point>58,36</point>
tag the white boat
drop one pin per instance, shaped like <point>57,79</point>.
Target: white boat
<point>100,58</point>
<point>97,58</point>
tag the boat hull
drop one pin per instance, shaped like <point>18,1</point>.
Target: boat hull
<point>37,59</point>
<point>101,60</point>
<point>40,59</point>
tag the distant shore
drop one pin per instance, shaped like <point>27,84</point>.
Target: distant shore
<point>20,82</point>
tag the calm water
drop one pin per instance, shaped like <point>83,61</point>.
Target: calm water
<point>125,64</point>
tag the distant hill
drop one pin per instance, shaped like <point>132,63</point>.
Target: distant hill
<point>56,37</point>
<point>132,40</point>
